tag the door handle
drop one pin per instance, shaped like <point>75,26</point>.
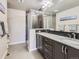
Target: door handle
<point>65,50</point>
<point>62,49</point>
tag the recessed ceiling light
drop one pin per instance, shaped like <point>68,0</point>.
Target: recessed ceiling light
<point>56,10</point>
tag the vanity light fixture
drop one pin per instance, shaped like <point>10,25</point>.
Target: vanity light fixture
<point>46,3</point>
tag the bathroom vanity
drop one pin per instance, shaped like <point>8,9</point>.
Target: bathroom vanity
<point>53,46</point>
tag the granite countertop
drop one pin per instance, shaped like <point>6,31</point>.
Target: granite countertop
<point>64,40</point>
<point>43,29</point>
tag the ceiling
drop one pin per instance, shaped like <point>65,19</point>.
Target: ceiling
<point>26,5</point>
<point>36,4</point>
<point>61,6</point>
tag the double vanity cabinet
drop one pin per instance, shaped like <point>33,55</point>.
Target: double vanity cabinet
<point>51,49</point>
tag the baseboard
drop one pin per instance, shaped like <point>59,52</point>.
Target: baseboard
<point>14,43</point>
<point>32,50</point>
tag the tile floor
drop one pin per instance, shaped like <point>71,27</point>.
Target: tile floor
<point>20,52</point>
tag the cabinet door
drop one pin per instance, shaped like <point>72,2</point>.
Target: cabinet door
<point>48,48</point>
<point>59,51</point>
<point>73,53</point>
<point>37,41</point>
<point>39,44</point>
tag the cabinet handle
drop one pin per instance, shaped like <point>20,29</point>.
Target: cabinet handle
<point>65,50</point>
<point>62,49</point>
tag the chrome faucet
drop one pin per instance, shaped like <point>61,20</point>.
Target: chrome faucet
<point>69,35</point>
<point>74,35</point>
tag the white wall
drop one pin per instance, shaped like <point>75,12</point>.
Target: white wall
<point>70,12</point>
<point>32,40</point>
<point>17,25</point>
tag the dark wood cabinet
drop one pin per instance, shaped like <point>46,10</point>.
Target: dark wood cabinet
<point>48,48</point>
<point>39,43</point>
<point>65,52</point>
<point>51,49</point>
<point>72,53</point>
<point>59,51</point>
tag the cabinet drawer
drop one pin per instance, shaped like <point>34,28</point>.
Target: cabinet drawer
<point>48,55</point>
<point>48,41</point>
<point>47,46</point>
<point>46,50</point>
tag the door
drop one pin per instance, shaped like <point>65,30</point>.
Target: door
<point>3,47</point>
<point>73,53</point>
<point>59,51</point>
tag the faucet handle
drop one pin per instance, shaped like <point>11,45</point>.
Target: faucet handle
<point>69,35</point>
<point>74,35</point>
